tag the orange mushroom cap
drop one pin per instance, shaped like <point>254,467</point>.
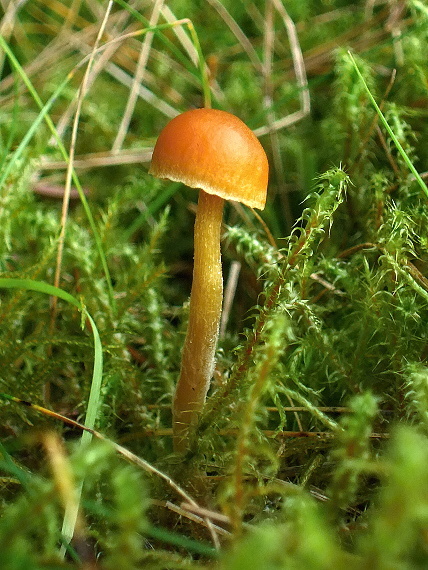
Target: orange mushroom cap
<point>215,151</point>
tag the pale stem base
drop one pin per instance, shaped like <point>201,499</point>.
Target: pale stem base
<point>198,358</point>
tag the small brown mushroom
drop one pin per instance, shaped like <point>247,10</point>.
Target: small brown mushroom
<point>216,152</point>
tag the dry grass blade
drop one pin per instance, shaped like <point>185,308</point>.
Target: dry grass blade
<point>268,102</point>
<point>238,33</point>
<point>106,52</point>
<point>66,199</point>
<point>300,73</point>
<point>64,479</point>
<point>99,159</point>
<point>8,23</point>
<point>229,294</point>
<point>198,515</point>
<point>138,78</point>
<point>181,35</point>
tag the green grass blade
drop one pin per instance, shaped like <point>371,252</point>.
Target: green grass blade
<point>390,131</point>
<point>15,63</point>
<point>30,133</point>
<point>175,539</point>
<point>39,287</point>
<point>8,465</point>
<point>95,391</point>
<point>47,289</point>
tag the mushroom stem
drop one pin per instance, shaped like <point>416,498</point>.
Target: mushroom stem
<point>198,357</point>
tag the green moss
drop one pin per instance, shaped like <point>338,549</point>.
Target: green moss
<point>311,451</point>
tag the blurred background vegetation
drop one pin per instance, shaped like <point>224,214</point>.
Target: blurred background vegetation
<point>312,451</point>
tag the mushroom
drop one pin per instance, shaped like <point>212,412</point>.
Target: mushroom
<point>216,152</point>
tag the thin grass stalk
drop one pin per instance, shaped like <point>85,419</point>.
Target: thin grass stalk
<point>138,78</point>
<point>69,174</point>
